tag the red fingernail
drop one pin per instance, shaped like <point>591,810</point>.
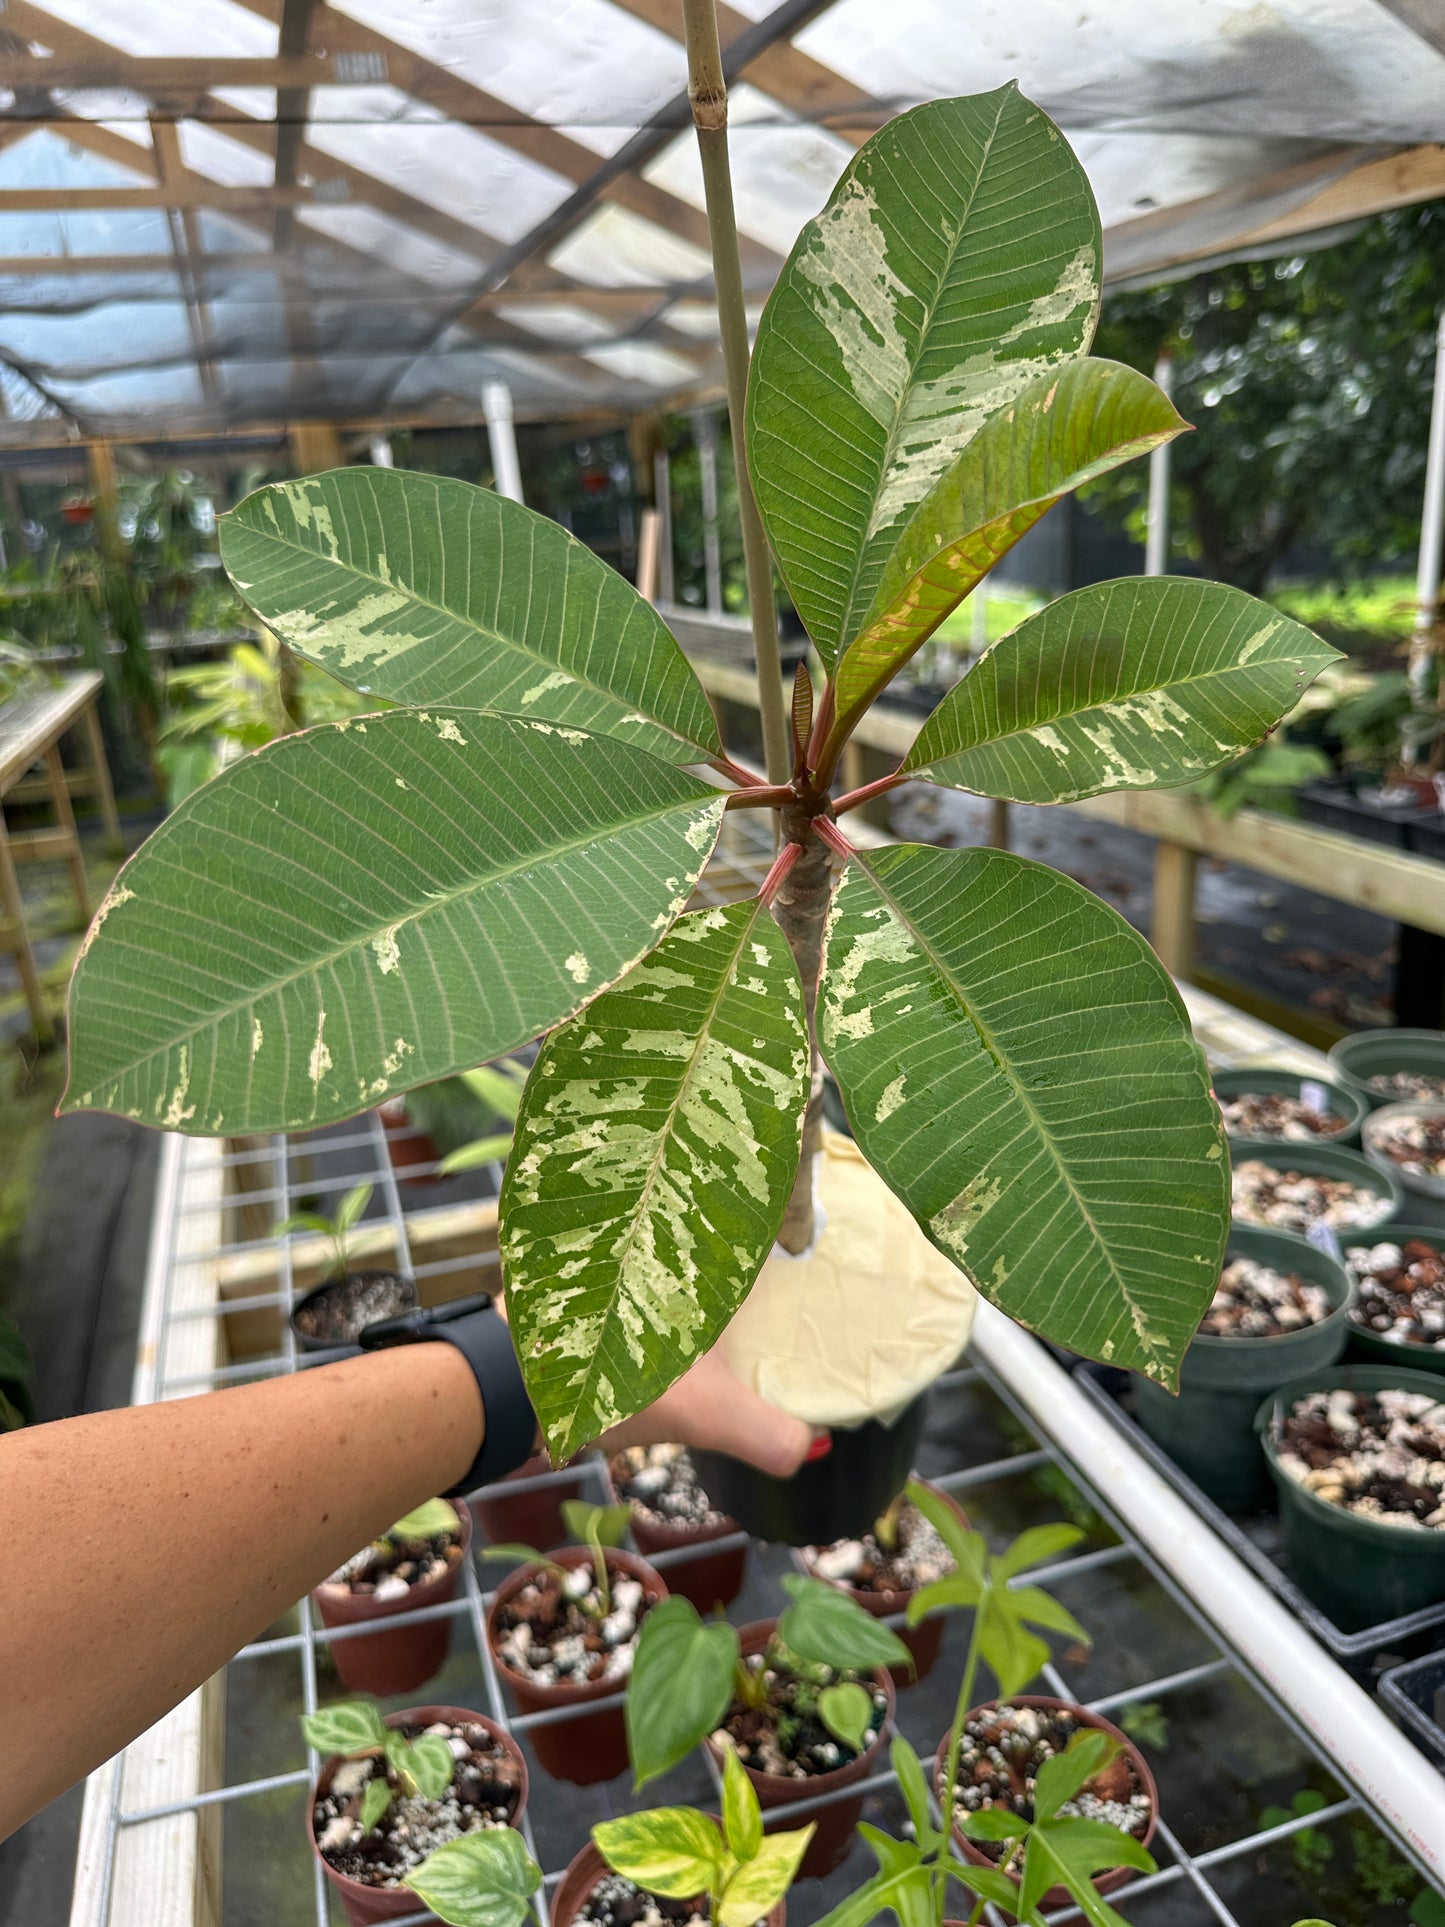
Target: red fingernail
<point>820,1448</point>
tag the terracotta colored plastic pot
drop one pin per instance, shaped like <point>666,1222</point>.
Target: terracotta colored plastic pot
<point>711,1578</point>
<point>526,1518</point>
<point>922,1640</point>
<point>593,1746</point>
<point>582,1876</point>
<point>401,1660</point>
<point>1113,1878</point>
<point>365,1904</point>
<point>835,1822</point>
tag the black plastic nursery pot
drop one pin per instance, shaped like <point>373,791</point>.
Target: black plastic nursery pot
<point>406,1657</point>
<point>1415,1694</point>
<point>1374,1053</point>
<point>321,1300</point>
<point>1358,1571</point>
<point>923,1640</point>
<point>365,1905</point>
<point>591,1746</point>
<point>835,1822</point>
<point>1208,1429</point>
<point>1333,804</point>
<point>584,1872</point>
<point>1333,1161</point>
<point>833,1497</point>
<point>1267,1080</point>
<point>1372,1349</point>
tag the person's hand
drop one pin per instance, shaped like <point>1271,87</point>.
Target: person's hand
<point>711,1407</point>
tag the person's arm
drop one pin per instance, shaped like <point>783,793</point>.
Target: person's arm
<point>143,1547</point>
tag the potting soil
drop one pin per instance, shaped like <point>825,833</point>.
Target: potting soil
<point>1254,1301</point>
<point>1002,1752</point>
<point>918,1557</point>
<point>389,1567</point>
<point>1416,1144</point>
<point>662,1481</point>
<point>1401,1291</point>
<point>1294,1200</point>
<point>555,1630</point>
<point>1413,1087</point>
<point>1380,1455</point>
<point>785,1735</point>
<point>1271,1114</point>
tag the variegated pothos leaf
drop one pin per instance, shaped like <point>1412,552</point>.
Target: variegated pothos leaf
<point>655,1151</point>
<point>1061,430</point>
<point>1018,1067</point>
<point>1129,685</point>
<point>369,905</point>
<point>433,592</point>
<point>957,258</point>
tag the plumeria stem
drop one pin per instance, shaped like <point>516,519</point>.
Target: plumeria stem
<point>828,832</point>
<point>782,863</point>
<point>767,796</point>
<point>745,778</point>
<point>868,791</point>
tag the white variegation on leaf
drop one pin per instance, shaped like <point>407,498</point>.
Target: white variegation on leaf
<point>1063,429</point>
<point>1137,684</point>
<point>368,905</point>
<point>958,258</point>
<point>655,1151</point>
<point>433,592</point>
<point>1017,1065</point>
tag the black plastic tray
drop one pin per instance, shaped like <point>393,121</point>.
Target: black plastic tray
<point>1410,1692</point>
<point>1255,1538</point>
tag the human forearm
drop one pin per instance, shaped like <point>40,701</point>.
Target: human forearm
<point>174,1533</point>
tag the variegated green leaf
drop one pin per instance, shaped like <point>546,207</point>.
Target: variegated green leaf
<point>1137,684</point>
<point>655,1150</point>
<point>957,258</point>
<point>1018,1067</point>
<point>760,1883</point>
<point>673,1851</point>
<point>485,1879</point>
<point>1061,430</point>
<point>369,905</point>
<point>433,592</point>
<point>355,1726</point>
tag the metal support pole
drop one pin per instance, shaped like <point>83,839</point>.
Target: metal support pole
<point>704,431</point>
<point>502,436</point>
<point>1427,575</point>
<point>1156,519</point>
<point>662,492</point>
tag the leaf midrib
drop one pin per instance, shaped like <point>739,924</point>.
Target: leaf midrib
<point>999,1058</point>
<point>550,663</point>
<point>278,985</point>
<point>664,1138</point>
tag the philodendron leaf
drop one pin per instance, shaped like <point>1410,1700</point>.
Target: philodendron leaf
<point>1061,430</point>
<point>375,1799</point>
<point>353,1727</point>
<point>957,258</point>
<point>680,1686</point>
<point>433,592</point>
<point>430,1765</point>
<point>828,1628</point>
<point>362,907</point>
<point>847,1712</point>
<point>1137,684</point>
<point>742,1815</point>
<point>484,1879</point>
<point>673,1851</point>
<point>1018,1067</point>
<point>655,1151</point>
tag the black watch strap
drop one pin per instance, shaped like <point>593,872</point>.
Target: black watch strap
<point>477,1330</point>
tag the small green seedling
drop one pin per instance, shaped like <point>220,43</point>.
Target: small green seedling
<point>886,1525</point>
<point>678,1853</point>
<point>485,1879</point>
<point>356,1731</point>
<point>499,1086</point>
<point>1063,1850</point>
<point>337,1229</point>
<point>687,1672</point>
<point>595,1526</point>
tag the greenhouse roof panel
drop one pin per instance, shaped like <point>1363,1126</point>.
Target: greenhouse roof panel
<point>216,214</point>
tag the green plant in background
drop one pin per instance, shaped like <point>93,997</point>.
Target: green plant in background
<point>1311,1850</point>
<point>356,1731</point>
<point>401,896</point>
<point>16,1366</point>
<point>1265,779</point>
<point>338,1229</point>
<point>598,1527</point>
<point>1146,1723</point>
<point>497,1088</point>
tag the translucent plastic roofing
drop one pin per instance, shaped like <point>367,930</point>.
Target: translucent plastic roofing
<point>242,212</point>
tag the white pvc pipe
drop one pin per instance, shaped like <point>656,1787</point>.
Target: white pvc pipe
<point>1432,533</point>
<point>1156,516</point>
<point>704,429</point>
<point>1354,1733</point>
<point>662,492</point>
<point>381,452</point>
<point>502,435</point>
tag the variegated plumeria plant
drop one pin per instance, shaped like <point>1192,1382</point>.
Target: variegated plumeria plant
<point>359,908</point>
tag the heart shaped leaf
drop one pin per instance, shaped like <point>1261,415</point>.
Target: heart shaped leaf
<point>1017,1066</point>
<point>680,1686</point>
<point>432,592</point>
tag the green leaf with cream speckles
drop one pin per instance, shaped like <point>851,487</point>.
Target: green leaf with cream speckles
<point>370,905</point>
<point>957,258</point>
<point>1018,1067</point>
<point>435,593</point>
<point>1066,427</point>
<point>1130,685</point>
<point>654,1155</point>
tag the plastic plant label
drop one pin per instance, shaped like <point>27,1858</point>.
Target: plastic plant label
<point>1314,1097</point>
<point>1321,1235</point>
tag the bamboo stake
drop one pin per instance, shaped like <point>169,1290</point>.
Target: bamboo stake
<point>707,91</point>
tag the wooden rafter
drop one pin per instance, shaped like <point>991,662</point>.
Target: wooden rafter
<point>293,105</point>
<point>186,245</point>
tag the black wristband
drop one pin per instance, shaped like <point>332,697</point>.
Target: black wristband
<point>477,1330</point>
